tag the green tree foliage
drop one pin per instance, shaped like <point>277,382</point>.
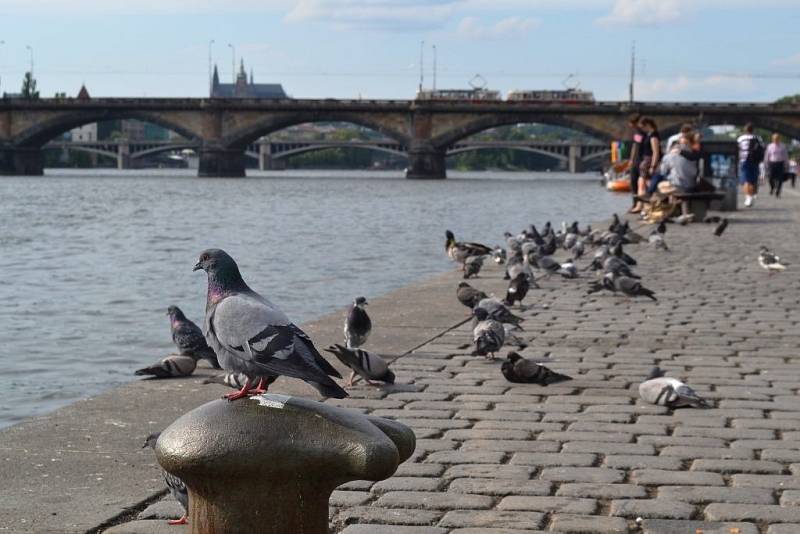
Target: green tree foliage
<point>29,90</point>
<point>789,99</point>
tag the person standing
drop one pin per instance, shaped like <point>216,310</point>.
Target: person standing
<point>651,157</point>
<point>776,160</point>
<point>751,153</point>
<point>635,160</point>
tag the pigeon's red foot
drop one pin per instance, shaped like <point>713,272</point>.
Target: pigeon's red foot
<point>182,521</point>
<point>260,389</point>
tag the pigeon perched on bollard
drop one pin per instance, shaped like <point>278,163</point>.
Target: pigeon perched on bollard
<point>769,261</point>
<point>368,365</point>
<point>253,336</point>
<point>488,335</point>
<point>521,371</point>
<point>188,337</point>
<point>173,366</point>
<point>357,324</point>
<point>237,380</point>
<point>468,295</point>
<point>175,485</point>
<point>670,392</point>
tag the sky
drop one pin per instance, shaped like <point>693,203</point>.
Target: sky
<point>700,50</point>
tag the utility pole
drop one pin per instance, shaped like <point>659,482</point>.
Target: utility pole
<point>421,58</point>
<point>633,71</point>
<point>1,64</point>
<point>434,67</point>
<point>233,61</point>
<point>30,49</point>
<point>210,83</point>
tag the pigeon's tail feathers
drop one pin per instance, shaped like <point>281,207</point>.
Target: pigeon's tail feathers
<point>554,378</point>
<point>389,377</point>
<point>686,396</point>
<point>154,370</point>
<point>648,293</point>
<point>329,389</point>
<point>594,287</point>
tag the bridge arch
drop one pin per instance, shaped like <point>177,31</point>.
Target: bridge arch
<point>39,134</point>
<point>481,124</point>
<point>314,148</point>
<point>461,150</point>
<point>246,135</point>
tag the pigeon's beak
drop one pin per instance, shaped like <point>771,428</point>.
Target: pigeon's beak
<point>197,267</point>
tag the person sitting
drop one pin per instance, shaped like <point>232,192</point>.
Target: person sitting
<point>680,169</point>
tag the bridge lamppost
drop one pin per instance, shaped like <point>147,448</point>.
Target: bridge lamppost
<point>434,67</point>
<point>210,78</point>
<point>30,49</point>
<point>233,61</point>
<point>421,58</point>
<point>1,62</point>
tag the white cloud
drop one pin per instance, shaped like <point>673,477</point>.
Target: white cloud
<point>473,28</point>
<point>375,14</point>
<point>667,89</point>
<point>643,12</point>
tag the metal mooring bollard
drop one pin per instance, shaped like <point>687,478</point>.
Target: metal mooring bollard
<point>268,464</point>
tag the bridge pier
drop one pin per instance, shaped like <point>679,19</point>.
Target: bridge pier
<point>221,163</point>
<point>426,162</point>
<point>123,156</point>
<point>265,156</point>
<point>21,161</point>
<point>574,157</point>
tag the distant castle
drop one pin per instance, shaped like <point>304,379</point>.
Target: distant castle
<point>244,88</point>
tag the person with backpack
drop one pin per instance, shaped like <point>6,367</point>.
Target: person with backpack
<point>751,153</point>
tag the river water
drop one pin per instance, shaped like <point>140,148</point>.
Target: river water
<point>92,259</point>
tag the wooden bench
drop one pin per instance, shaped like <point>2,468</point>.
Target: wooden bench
<point>698,202</point>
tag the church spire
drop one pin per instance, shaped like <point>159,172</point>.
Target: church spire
<point>214,81</point>
<point>251,75</point>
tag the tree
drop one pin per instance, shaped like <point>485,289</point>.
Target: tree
<point>29,87</point>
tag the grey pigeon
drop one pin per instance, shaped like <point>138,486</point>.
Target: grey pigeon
<point>175,484</point>
<point>568,270</point>
<point>498,311</point>
<point>671,392</point>
<point>488,335</point>
<point>617,266</point>
<point>657,240</point>
<point>368,365</point>
<point>357,324</point>
<point>173,366</point>
<point>472,266</point>
<point>499,255</point>
<point>188,337</point>
<point>519,370</point>
<point>237,380</point>
<point>517,289</point>
<point>632,288</point>
<point>579,249</point>
<point>253,336</point>
<point>545,263</point>
<point>468,295</point>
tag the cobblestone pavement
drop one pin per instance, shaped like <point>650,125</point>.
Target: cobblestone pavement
<point>587,455</point>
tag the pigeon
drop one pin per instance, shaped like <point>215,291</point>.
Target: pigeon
<point>579,249</point>
<point>517,289</point>
<point>568,270</point>
<point>622,284</point>
<point>488,335</point>
<point>769,261</point>
<point>357,324</point>
<point>521,371</point>
<point>173,366</point>
<point>499,255</point>
<point>520,265</point>
<point>498,311</point>
<point>468,295</point>
<point>176,485</point>
<point>656,239</point>
<point>721,227</point>
<point>511,338</point>
<point>545,263</point>
<point>458,251</point>
<point>669,392</point>
<point>615,265</point>
<point>367,364</point>
<point>472,266</point>
<point>253,336</point>
<point>617,251</point>
<point>237,380</point>
<point>188,337</point>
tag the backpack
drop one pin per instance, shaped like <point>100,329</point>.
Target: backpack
<point>755,151</point>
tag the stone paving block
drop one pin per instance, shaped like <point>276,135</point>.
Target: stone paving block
<point>602,491</point>
<point>773,482</point>
<point>586,436</point>
<point>486,434</point>
<point>509,446</point>
<point>408,469</point>
<point>608,448</point>
<point>784,528</point>
<point>781,455</point>
<point>393,516</point>
<point>623,428</point>
<point>495,415</point>
<point>489,471</point>
<point>706,452</point>
<point>151,526</point>
<point>485,530</point>
<point>407,484</point>
<point>531,426</point>
<point>643,462</point>
<point>391,529</point>
<point>494,486</point>
<point>492,519</point>
<point>724,433</point>
<point>790,498</point>
<point>657,477</point>
<point>705,494</point>
<point>349,498</point>
<point>765,444</point>
<point>553,459</point>
<point>671,526</point>
<point>752,512</point>
<point>681,441</point>
<point>580,524</point>
<point>656,508</point>
<point>582,474</point>
<point>465,457</point>
<point>737,466</point>
<point>434,501</point>
<point>566,505</point>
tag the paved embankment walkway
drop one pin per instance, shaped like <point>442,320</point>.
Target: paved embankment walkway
<point>500,458</point>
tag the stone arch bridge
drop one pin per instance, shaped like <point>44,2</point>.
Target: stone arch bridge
<point>224,128</point>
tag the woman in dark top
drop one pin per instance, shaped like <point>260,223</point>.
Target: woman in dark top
<point>635,156</point>
<point>651,158</point>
